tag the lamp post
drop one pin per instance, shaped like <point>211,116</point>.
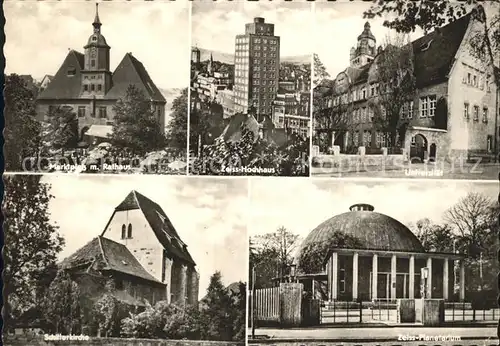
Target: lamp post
<point>293,271</point>
<point>425,275</point>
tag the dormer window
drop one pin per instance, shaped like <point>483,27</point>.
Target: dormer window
<point>94,38</point>
<point>129,231</point>
<point>71,71</point>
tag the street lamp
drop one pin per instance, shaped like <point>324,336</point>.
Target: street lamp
<point>425,274</point>
<point>293,271</point>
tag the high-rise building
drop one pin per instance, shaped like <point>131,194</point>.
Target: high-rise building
<point>256,67</point>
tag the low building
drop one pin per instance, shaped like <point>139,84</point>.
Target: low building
<point>388,263</point>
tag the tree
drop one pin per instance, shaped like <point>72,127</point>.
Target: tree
<point>183,324</point>
<point>320,71</point>
<point>32,242</point>
<point>22,131</point>
<point>216,310</point>
<point>62,305</point>
<point>312,256</point>
<point>108,312</point>
<point>407,16</point>
<point>238,311</point>
<point>272,255</point>
<point>135,125</point>
<point>397,86</point>
<point>62,132</point>
<point>177,127</point>
<point>206,123</point>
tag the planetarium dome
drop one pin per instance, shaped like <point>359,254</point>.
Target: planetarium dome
<point>374,231</point>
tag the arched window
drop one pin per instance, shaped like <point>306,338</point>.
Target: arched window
<point>129,231</point>
<point>123,231</point>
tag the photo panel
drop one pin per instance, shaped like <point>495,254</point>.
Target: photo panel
<point>435,261</point>
<point>250,88</point>
<point>109,92</point>
<point>106,257</point>
<point>399,98</point>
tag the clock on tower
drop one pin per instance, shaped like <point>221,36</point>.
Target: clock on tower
<point>93,52</point>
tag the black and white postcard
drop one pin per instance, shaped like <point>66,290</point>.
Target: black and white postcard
<point>402,97</point>
<point>96,87</point>
<point>250,88</point>
<point>312,269</point>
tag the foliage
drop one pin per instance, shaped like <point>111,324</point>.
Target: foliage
<point>206,122</point>
<point>142,325</point>
<point>62,131</point>
<point>177,127</point>
<point>320,71</point>
<point>397,86</point>
<point>108,313</point>
<point>313,255</point>
<point>438,238</point>
<point>31,242</point>
<point>407,16</point>
<point>271,255</point>
<point>238,311</point>
<point>62,305</point>
<point>136,126</point>
<point>183,324</point>
<point>22,131</point>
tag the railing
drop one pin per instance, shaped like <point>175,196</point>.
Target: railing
<point>471,312</point>
<point>341,312</point>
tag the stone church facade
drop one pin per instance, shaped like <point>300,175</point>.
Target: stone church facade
<point>146,248</point>
<point>86,83</point>
<point>454,110</point>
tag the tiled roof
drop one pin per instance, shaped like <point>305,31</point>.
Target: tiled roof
<point>132,71</point>
<point>107,255</point>
<point>64,85</point>
<point>129,71</point>
<point>159,222</point>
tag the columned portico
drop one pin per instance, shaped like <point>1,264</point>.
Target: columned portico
<point>429,278</point>
<point>462,280</point>
<point>446,274</point>
<point>393,276</point>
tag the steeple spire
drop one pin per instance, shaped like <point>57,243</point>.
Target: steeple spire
<point>97,23</point>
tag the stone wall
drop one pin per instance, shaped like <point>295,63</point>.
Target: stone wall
<point>38,341</point>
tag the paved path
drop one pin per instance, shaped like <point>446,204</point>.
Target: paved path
<point>382,334</point>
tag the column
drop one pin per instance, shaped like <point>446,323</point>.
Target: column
<point>462,280</point>
<point>335,258</point>
<point>411,283</point>
<point>393,276</point>
<point>374,276</point>
<point>446,278</point>
<point>429,278</point>
<point>355,259</point>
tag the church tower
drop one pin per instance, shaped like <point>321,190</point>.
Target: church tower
<point>365,51</point>
<point>96,80</point>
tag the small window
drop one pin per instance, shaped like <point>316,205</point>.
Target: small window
<point>129,231</point>
<point>92,63</point>
<point>99,87</point>
<point>466,110</point>
<point>123,231</point>
<point>71,71</point>
<point>476,113</point>
<point>92,87</point>
<point>102,113</point>
<point>81,111</point>
<point>485,115</point>
<point>85,87</point>
<point>94,38</point>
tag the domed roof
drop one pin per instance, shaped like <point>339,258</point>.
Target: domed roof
<point>367,33</point>
<point>374,230</point>
<point>97,40</point>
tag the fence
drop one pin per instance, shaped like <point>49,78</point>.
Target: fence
<point>267,305</point>
<point>467,312</point>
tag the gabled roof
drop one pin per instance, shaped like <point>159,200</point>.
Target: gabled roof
<point>107,255</point>
<point>129,71</point>
<point>132,71</point>
<point>64,85</point>
<point>159,222</point>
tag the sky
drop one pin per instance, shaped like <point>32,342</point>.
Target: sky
<point>302,204</point>
<point>216,24</point>
<point>338,25</point>
<point>207,213</point>
<point>40,33</point>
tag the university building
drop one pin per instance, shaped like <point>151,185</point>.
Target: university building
<point>142,254</point>
<point>85,83</point>
<point>454,111</point>
<point>388,262</point>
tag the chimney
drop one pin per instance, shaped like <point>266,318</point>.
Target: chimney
<point>361,207</point>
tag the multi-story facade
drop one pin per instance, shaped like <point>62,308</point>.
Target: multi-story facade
<point>85,83</point>
<point>256,67</point>
<point>453,111</point>
<point>288,113</point>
